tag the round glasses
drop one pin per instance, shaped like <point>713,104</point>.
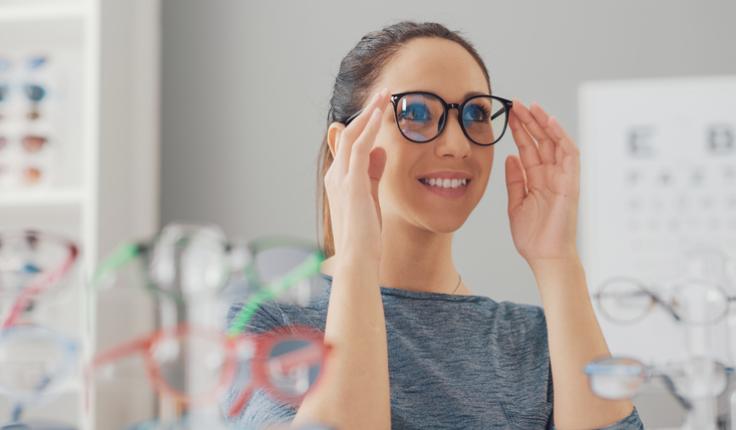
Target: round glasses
<point>31,262</point>
<point>34,361</point>
<point>422,116</point>
<point>693,301</point>
<point>286,362</point>
<point>189,261</point>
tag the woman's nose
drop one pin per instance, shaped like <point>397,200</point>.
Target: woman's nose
<point>452,142</point>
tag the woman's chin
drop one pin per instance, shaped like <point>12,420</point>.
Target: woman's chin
<point>444,223</point>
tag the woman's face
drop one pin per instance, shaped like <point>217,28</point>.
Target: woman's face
<point>448,70</point>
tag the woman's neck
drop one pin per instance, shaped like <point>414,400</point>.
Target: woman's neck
<point>414,259</point>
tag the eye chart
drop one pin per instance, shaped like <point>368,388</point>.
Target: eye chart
<point>658,160</point>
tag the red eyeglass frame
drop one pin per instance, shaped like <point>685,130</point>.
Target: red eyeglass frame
<point>45,279</point>
<point>262,343</point>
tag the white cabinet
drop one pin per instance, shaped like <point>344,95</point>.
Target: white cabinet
<point>103,122</point>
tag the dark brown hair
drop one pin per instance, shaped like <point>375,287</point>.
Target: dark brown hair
<point>359,70</point>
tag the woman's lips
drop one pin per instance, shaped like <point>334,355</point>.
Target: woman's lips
<point>452,193</point>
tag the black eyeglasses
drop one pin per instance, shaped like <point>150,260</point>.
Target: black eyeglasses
<point>422,116</point>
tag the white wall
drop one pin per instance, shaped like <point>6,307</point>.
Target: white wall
<point>229,62</point>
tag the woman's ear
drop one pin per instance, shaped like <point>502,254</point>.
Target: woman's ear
<point>333,135</point>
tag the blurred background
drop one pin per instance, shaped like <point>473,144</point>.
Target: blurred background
<point>159,110</point>
<point>225,63</point>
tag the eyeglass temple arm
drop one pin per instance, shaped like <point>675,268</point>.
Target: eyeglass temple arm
<point>667,306</point>
<point>352,117</point>
<point>239,403</point>
<point>121,350</point>
<point>306,269</point>
<point>17,411</point>
<point>122,256</point>
<point>670,384</point>
<point>499,112</point>
<point>658,300</point>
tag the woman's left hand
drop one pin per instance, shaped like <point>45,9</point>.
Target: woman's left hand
<point>543,184</point>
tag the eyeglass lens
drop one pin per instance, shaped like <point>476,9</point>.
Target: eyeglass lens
<point>422,117</point>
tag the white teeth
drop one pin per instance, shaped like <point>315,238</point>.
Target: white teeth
<point>445,183</point>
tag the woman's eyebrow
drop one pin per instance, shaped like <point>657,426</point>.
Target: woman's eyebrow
<point>474,93</point>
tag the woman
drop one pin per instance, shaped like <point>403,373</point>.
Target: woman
<point>406,158</point>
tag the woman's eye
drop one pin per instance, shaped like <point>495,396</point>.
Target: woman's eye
<point>475,113</point>
<point>415,112</point>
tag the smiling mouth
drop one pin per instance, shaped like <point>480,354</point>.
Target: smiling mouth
<point>445,183</point>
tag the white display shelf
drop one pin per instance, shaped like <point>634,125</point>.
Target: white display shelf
<point>30,10</point>
<point>40,198</point>
<point>108,50</point>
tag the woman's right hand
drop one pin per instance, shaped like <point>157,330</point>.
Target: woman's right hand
<point>355,392</point>
<point>352,181</point>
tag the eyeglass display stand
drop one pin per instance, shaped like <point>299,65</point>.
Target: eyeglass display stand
<point>705,264</point>
<point>704,413</point>
<point>200,312</point>
<point>700,344</point>
<point>731,326</point>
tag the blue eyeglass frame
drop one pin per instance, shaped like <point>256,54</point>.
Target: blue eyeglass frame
<point>507,105</point>
<point>70,353</point>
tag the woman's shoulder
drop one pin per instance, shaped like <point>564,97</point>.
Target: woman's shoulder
<point>527,315</point>
<point>521,326</point>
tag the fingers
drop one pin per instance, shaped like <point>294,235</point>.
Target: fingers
<point>527,148</point>
<point>515,182</point>
<point>564,140</point>
<point>536,129</point>
<point>351,133</point>
<point>542,118</point>
<point>377,164</point>
<point>375,171</point>
<point>359,158</point>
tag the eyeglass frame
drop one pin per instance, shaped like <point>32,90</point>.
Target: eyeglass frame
<point>129,252</point>
<point>667,305</point>
<point>656,299</point>
<point>45,280</point>
<point>507,105</point>
<point>70,352</point>
<point>262,344</point>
